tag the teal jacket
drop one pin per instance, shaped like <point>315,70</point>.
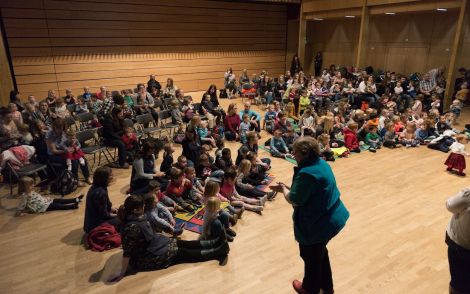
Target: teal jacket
<point>319,214</point>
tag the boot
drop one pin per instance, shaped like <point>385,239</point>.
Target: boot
<point>209,244</point>
<point>240,212</point>
<point>220,253</point>
<point>233,219</point>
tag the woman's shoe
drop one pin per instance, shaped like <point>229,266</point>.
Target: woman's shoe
<point>233,219</point>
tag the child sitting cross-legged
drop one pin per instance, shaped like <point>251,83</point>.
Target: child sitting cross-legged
<point>390,137</point>
<point>408,136</point>
<point>155,189</point>
<point>325,149</point>
<point>33,202</point>
<point>225,160</point>
<point>229,191</point>
<point>197,188</point>
<point>373,139</point>
<point>160,217</point>
<point>350,137</point>
<point>205,168</point>
<point>178,189</point>
<point>211,191</point>
<point>130,141</point>
<point>278,147</point>
<point>167,162</point>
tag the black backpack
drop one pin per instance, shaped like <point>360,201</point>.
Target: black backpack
<point>65,183</point>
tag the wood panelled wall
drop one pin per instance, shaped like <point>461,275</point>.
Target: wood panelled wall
<point>403,43</point>
<point>61,44</point>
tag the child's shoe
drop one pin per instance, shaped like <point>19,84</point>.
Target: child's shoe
<point>372,150</point>
<point>233,219</point>
<point>230,232</point>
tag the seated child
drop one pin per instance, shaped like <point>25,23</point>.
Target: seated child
<point>408,136</point>
<point>442,125</point>
<point>167,161</point>
<point>175,113</point>
<point>33,202</point>
<point>278,147</point>
<point>73,150</point>
<point>244,128</point>
<point>289,138</point>
<point>456,108</point>
<point>155,190</point>
<point>225,160</point>
<point>181,162</point>
<point>242,187</point>
<point>130,141</point>
<point>26,136</point>
<point>211,191</point>
<point>159,217</point>
<point>197,188</point>
<point>350,137</point>
<point>229,191</point>
<point>307,123</point>
<point>373,139</point>
<point>220,144</point>
<point>178,189</point>
<point>325,149</point>
<point>390,136</point>
<point>204,134</point>
<point>205,168</point>
<point>270,118</point>
<point>212,227</point>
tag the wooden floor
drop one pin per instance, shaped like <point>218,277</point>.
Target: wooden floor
<point>392,243</point>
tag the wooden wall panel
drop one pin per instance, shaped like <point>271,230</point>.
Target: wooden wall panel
<point>60,44</point>
<point>337,39</point>
<point>403,43</point>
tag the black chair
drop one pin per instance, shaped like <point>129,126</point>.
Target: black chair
<point>145,122</point>
<point>83,119</point>
<point>163,117</point>
<point>167,102</point>
<point>25,171</point>
<point>91,145</point>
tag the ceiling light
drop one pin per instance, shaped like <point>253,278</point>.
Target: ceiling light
<point>442,9</point>
<point>390,13</point>
<point>350,16</point>
<point>316,18</point>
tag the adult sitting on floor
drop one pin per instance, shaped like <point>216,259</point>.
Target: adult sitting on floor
<point>56,149</point>
<point>144,170</point>
<point>145,250</point>
<point>232,123</point>
<point>255,118</point>
<point>113,129</point>
<point>99,209</point>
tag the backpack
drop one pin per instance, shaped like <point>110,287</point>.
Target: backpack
<point>223,93</point>
<point>65,183</point>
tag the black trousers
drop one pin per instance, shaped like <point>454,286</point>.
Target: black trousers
<point>459,266</point>
<point>62,204</point>
<point>121,147</point>
<point>317,268</point>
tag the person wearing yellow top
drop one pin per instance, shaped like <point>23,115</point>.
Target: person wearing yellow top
<point>304,101</point>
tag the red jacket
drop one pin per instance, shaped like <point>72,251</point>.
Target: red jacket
<point>103,237</point>
<point>350,139</point>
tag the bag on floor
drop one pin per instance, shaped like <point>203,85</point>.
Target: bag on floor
<point>103,237</point>
<point>65,183</point>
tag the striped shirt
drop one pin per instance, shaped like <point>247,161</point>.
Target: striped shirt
<point>427,85</point>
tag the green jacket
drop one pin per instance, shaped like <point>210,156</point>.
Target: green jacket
<point>319,214</point>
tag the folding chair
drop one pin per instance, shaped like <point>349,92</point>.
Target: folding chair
<point>144,122</point>
<point>88,136</point>
<point>163,117</point>
<point>25,171</point>
<point>83,119</point>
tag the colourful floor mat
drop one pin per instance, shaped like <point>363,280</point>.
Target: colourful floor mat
<point>266,148</point>
<point>194,221</point>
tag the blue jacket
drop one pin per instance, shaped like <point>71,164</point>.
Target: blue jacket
<point>319,214</point>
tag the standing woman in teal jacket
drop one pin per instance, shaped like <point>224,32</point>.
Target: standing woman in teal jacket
<point>319,214</point>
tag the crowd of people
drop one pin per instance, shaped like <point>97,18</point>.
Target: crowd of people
<point>345,109</point>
